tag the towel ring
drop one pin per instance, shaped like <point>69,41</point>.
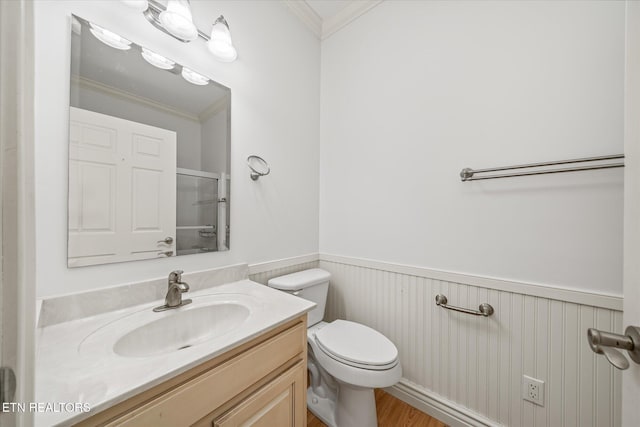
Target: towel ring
<point>259,167</point>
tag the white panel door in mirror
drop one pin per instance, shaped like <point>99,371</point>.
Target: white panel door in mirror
<point>122,189</point>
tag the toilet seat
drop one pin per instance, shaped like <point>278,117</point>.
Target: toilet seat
<point>357,345</point>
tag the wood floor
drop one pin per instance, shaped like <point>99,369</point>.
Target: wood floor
<point>391,413</point>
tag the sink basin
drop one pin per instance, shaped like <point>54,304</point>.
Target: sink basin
<point>145,333</point>
<point>181,329</point>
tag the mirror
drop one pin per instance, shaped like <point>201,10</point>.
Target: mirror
<point>149,144</point>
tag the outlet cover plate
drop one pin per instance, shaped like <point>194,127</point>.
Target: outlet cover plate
<point>533,390</point>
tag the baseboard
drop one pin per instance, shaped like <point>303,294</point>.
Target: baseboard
<point>438,407</point>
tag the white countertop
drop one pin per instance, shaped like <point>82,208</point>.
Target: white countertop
<point>75,362</point>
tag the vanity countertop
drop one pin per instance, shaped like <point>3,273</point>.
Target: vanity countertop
<point>76,363</point>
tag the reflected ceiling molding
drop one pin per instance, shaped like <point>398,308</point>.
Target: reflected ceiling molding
<point>218,106</point>
<point>325,28</point>
<point>122,94</point>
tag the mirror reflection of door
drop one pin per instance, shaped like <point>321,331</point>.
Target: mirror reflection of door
<point>122,190</point>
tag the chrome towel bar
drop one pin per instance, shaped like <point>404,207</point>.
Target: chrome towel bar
<point>485,309</point>
<point>468,174</point>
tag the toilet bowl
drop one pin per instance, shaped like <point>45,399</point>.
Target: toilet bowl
<point>346,360</point>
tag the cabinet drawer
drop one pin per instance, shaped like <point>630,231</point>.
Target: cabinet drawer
<point>276,404</point>
<point>191,401</point>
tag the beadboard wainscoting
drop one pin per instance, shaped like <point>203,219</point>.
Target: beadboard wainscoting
<point>467,370</point>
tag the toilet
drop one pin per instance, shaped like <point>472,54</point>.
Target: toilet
<point>346,360</point>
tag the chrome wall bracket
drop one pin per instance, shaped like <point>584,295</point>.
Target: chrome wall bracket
<point>485,309</point>
<point>607,342</point>
<point>258,166</point>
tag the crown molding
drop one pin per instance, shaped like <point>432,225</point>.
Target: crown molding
<point>350,13</point>
<point>325,28</point>
<point>122,94</point>
<point>306,14</point>
<point>210,111</point>
<point>218,106</point>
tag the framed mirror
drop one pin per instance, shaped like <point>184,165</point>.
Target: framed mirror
<point>149,153</point>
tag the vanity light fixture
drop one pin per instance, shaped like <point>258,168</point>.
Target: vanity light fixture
<point>176,20</point>
<point>220,44</point>
<point>157,60</point>
<point>193,77</point>
<point>139,5</point>
<point>110,38</point>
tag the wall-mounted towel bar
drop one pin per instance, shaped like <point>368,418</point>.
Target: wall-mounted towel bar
<point>484,309</point>
<point>468,174</point>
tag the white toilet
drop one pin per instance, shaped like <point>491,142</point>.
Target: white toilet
<point>346,361</point>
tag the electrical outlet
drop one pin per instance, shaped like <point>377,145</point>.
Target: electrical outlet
<point>533,390</point>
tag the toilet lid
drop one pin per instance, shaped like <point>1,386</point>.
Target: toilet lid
<point>356,344</point>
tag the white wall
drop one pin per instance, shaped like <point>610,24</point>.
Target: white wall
<point>275,114</point>
<point>412,92</point>
<point>215,139</point>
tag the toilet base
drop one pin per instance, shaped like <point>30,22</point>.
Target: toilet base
<point>322,407</point>
<point>355,407</point>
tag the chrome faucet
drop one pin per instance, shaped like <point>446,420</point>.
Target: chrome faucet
<point>177,287</point>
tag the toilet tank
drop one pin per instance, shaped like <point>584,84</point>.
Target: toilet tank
<point>311,285</point>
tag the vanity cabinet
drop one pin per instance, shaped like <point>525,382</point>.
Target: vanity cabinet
<point>273,405</point>
<point>259,383</point>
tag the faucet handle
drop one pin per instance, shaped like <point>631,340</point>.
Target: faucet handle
<point>175,276</point>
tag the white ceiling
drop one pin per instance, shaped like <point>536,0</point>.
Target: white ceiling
<point>327,8</point>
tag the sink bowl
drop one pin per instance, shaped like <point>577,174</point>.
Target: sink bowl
<point>182,329</point>
<point>143,333</point>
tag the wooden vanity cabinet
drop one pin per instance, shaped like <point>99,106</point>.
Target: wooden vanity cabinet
<point>272,405</point>
<point>260,383</point>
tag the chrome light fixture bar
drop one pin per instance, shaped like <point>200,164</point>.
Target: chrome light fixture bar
<point>176,20</point>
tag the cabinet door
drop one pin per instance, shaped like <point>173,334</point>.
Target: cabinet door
<point>282,403</point>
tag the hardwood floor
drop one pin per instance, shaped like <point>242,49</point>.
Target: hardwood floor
<point>391,413</point>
